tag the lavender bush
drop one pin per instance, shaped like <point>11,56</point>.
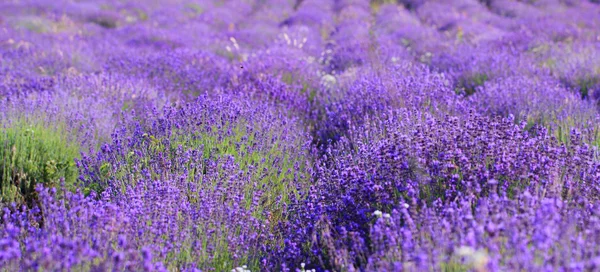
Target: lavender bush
<point>274,135</point>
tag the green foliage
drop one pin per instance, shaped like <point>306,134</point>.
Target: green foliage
<point>31,153</point>
<point>585,85</point>
<point>242,143</point>
<point>376,4</point>
<point>34,24</point>
<point>195,8</point>
<point>470,83</point>
<point>261,154</point>
<point>453,267</point>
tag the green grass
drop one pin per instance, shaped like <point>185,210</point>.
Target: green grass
<point>585,85</point>
<point>238,142</point>
<point>32,153</point>
<point>469,83</point>
<point>35,24</point>
<point>195,8</point>
<point>270,164</point>
<point>454,267</point>
<point>376,4</point>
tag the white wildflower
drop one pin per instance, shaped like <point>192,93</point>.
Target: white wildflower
<point>477,259</point>
<point>328,80</point>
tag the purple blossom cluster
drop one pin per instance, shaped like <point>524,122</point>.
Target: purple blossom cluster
<point>304,135</point>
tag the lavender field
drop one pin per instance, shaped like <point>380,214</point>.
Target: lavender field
<point>299,135</point>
